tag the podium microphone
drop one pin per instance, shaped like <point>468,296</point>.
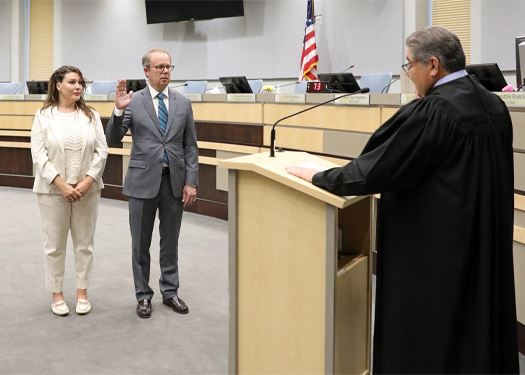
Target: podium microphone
<point>350,67</point>
<point>182,85</point>
<point>364,90</point>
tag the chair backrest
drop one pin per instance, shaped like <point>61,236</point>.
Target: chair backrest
<point>195,87</point>
<point>11,87</point>
<point>300,88</point>
<point>255,85</point>
<point>376,82</point>
<point>103,87</point>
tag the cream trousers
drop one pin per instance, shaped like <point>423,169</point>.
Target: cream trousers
<point>58,218</point>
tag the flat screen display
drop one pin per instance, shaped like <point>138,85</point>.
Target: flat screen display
<point>135,84</point>
<point>489,75</point>
<point>161,11</point>
<point>37,87</point>
<point>236,85</point>
<point>339,82</point>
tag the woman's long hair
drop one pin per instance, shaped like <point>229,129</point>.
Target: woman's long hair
<point>53,95</point>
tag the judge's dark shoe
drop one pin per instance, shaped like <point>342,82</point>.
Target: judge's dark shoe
<point>176,304</point>
<point>144,308</point>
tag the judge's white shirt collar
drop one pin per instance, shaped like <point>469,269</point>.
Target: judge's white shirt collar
<point>451,77</point>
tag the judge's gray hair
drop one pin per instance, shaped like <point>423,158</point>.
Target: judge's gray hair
<point>438,42</point>
<point>147,56</point>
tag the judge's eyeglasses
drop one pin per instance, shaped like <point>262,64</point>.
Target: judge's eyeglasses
<point>406,67</point>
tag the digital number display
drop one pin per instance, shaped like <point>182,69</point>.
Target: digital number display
<point>316,87</point>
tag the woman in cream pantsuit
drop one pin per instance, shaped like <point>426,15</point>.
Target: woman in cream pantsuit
<point>69,152</point>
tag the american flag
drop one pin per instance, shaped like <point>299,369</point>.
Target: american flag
<point>309,56</point>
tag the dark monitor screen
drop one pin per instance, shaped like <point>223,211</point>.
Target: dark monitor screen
<point>135,84</point>
<point>488,75</point>
<point>339,82</point>
<point>160,11</point>
<point>236,85</point>
<point>520,60</point>
<point>37,87</point>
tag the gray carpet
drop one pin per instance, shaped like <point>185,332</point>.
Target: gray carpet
<point>111,339</point>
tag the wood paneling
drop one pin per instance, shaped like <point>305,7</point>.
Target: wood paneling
<point>335,117</point>
<point>206,152</point>
<point>17,181</point>
<point>246,113</point>
<point>16,161</point>
<point>113,192</point>
<point>246,134</point>
<point>208,208</point>
<point>41,43</point>
<point>207,183</point>
<point>113,171</point>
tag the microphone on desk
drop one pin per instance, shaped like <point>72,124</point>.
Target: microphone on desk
<point>387,86</point>
<point>350,67</point>
<point>182,85</point>
<point>289,84</point>
<point>364,90</point>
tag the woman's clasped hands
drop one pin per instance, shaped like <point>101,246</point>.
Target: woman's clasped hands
<point>73,193</point>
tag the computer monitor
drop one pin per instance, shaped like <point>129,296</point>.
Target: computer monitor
<point>520,60</point>
<point>135,84</point>
<point>339,82</point>
<point>37,87</point>
<point>236,85</point>
<point>489,75</point>
<point>11,87</point>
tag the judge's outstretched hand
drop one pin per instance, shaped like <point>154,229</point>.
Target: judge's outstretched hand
<point>122,99</point>
<point>305,173</point>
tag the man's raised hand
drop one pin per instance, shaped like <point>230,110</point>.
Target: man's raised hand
<point>122,99</point>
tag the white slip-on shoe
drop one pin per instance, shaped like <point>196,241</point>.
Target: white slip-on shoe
<point>83,306</point>
<point>60,308</point>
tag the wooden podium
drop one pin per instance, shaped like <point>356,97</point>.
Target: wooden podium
<point>300,271</point>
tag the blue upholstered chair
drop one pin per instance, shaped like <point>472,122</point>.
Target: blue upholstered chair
<point>255,85</point>
<point>103,87</point>
<point>300,88</point>
<point>195,87</point>
<point>376,82</point>
<point>12,87</point>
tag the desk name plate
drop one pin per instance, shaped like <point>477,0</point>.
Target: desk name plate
<point>95,97</point>
<point>512,99</point>
<point>359,99</point>
<point>194,97</point>
<point>407,98</point>
<point>11,96</point>
<point>240,98</point>
<point>290,98</point>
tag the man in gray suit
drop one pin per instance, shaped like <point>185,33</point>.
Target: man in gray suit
<point>162,173</point>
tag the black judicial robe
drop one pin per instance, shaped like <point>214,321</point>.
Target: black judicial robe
<point>445,298</point>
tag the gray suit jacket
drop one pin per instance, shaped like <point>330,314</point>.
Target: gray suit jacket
<point>145,166</point>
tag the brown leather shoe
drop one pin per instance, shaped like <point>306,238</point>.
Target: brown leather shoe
<point>144,308</point>
<point>176,304</point>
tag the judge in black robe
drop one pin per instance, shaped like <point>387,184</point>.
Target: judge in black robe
<point>443,164</point>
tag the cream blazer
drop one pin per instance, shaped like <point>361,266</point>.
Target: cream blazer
<point>47,150</point>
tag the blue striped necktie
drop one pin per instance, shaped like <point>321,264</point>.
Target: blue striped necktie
<point>163,120</point>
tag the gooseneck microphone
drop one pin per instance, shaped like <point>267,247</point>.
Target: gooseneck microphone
<point>387,86</point>
<point>182,85</point>
<point>364,90</point>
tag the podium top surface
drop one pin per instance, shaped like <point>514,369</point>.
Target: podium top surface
<point>275,169</point>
